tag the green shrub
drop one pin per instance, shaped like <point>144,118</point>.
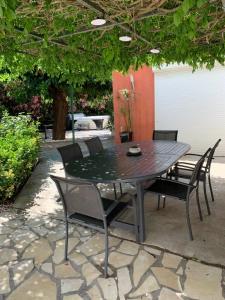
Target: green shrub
<point>19,148</point>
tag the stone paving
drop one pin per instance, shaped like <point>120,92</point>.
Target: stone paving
<point>32,266</point>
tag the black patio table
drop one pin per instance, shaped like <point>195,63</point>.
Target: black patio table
<point>113,165</point>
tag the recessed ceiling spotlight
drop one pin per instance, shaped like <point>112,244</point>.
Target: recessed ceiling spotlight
<point>155,51</point>
<point>125,38</point>
<point>98,22</point>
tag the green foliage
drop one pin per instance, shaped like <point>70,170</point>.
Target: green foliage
<point>188,31</point>
<point>94,98</point>
<point>19,148</point>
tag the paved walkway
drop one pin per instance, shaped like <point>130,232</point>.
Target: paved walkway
<point>32,266</point>
<point>32,244</point>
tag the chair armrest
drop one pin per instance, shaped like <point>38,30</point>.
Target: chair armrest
<point>184,165</point>
<point>192,154</point>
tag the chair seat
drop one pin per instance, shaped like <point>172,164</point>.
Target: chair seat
<point>109,205</point>
<point>168,188</point>
<point>185,173</point>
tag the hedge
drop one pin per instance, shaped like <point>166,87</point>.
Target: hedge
<point>19,148</point>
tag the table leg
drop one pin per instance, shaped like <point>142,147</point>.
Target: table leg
<point>140,208</point>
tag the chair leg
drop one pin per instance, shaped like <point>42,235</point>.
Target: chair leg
<point>121,190</point>
<point>206,198</point>
<point>164,201</point>
<point>66,240</point>
<point>106,254</point>
<point>188,219</point>
<point>210,187</point>
<point>115,193</point>
<point>158,207</point>
<point>198,204</point>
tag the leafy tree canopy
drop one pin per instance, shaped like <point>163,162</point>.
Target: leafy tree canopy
<point>58,38</point>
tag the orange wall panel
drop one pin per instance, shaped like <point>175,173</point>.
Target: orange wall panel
<point>142,108</point>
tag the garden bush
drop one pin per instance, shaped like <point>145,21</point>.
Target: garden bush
<point>19,148</point>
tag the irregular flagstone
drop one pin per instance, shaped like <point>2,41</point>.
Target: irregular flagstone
<point>38,286</point>
<point>21,269</point>
<point>76,233</point>
<point>94,293</point>
<point>58,256</point>
<point>141,264</point>
<point>4,280</point>
<point>70,285</point>
<point>6,216</point>
<point>58,233</point>
<point>5,230</point>
<point>52,223</point>
<point>15,223</point>
<point>77,258</point>
<point>148,286</point>
<point>171,260</point>
<point>65,270</point>
<point>4,240</point>
<point>98,259</point>
<point>167,278</point>
<point>152,250</point>
<point>40,250</point>
<point>22,238</point>
<point>72,297</point>
<point>124,282</point>
<point>96,244</point>
<point>118,260</point>
<point>47,267</point>
<point>148,297</point>
<point>42,231</point>
<point>83,231</point>
<point>7,254</point>
<point>36,221</point>
<point>167,294</point>
<point>202,281</point>
<point>90,273</point>
<point>108,287</point>
<point>127,247</point>
<point>180,271</point>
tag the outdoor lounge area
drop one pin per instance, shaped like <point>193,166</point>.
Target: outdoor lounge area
<point>112,150</point>
<point>167,265</point>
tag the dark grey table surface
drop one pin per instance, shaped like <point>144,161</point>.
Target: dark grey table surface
<point>113,165</point>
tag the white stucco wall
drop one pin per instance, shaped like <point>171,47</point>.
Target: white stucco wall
<point>193,103</point>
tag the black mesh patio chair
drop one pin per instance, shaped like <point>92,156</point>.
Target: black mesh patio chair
<point>183,169</point>
<point>168,135</point>
<point>95,146</point>
<point>83,204</point>
<point>69,153</point>
<point>180,190</point>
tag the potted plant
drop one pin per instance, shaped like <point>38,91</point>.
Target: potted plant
<point>125,109</point>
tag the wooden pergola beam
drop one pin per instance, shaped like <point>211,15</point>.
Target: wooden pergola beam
<point>89,4</point>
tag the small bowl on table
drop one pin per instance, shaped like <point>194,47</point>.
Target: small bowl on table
<point>134,151</point>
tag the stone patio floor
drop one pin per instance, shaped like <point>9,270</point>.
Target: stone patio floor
<point>32,264</point>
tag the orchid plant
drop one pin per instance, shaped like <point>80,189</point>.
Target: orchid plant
<point>125,108</point>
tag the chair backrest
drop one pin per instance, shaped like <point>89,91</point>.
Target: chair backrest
<point>79,196</point>
<point>211,154</point>
<point>70,152</point>
<point>169,135</point>
<point>94,145</point>
<point>197,170</point>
